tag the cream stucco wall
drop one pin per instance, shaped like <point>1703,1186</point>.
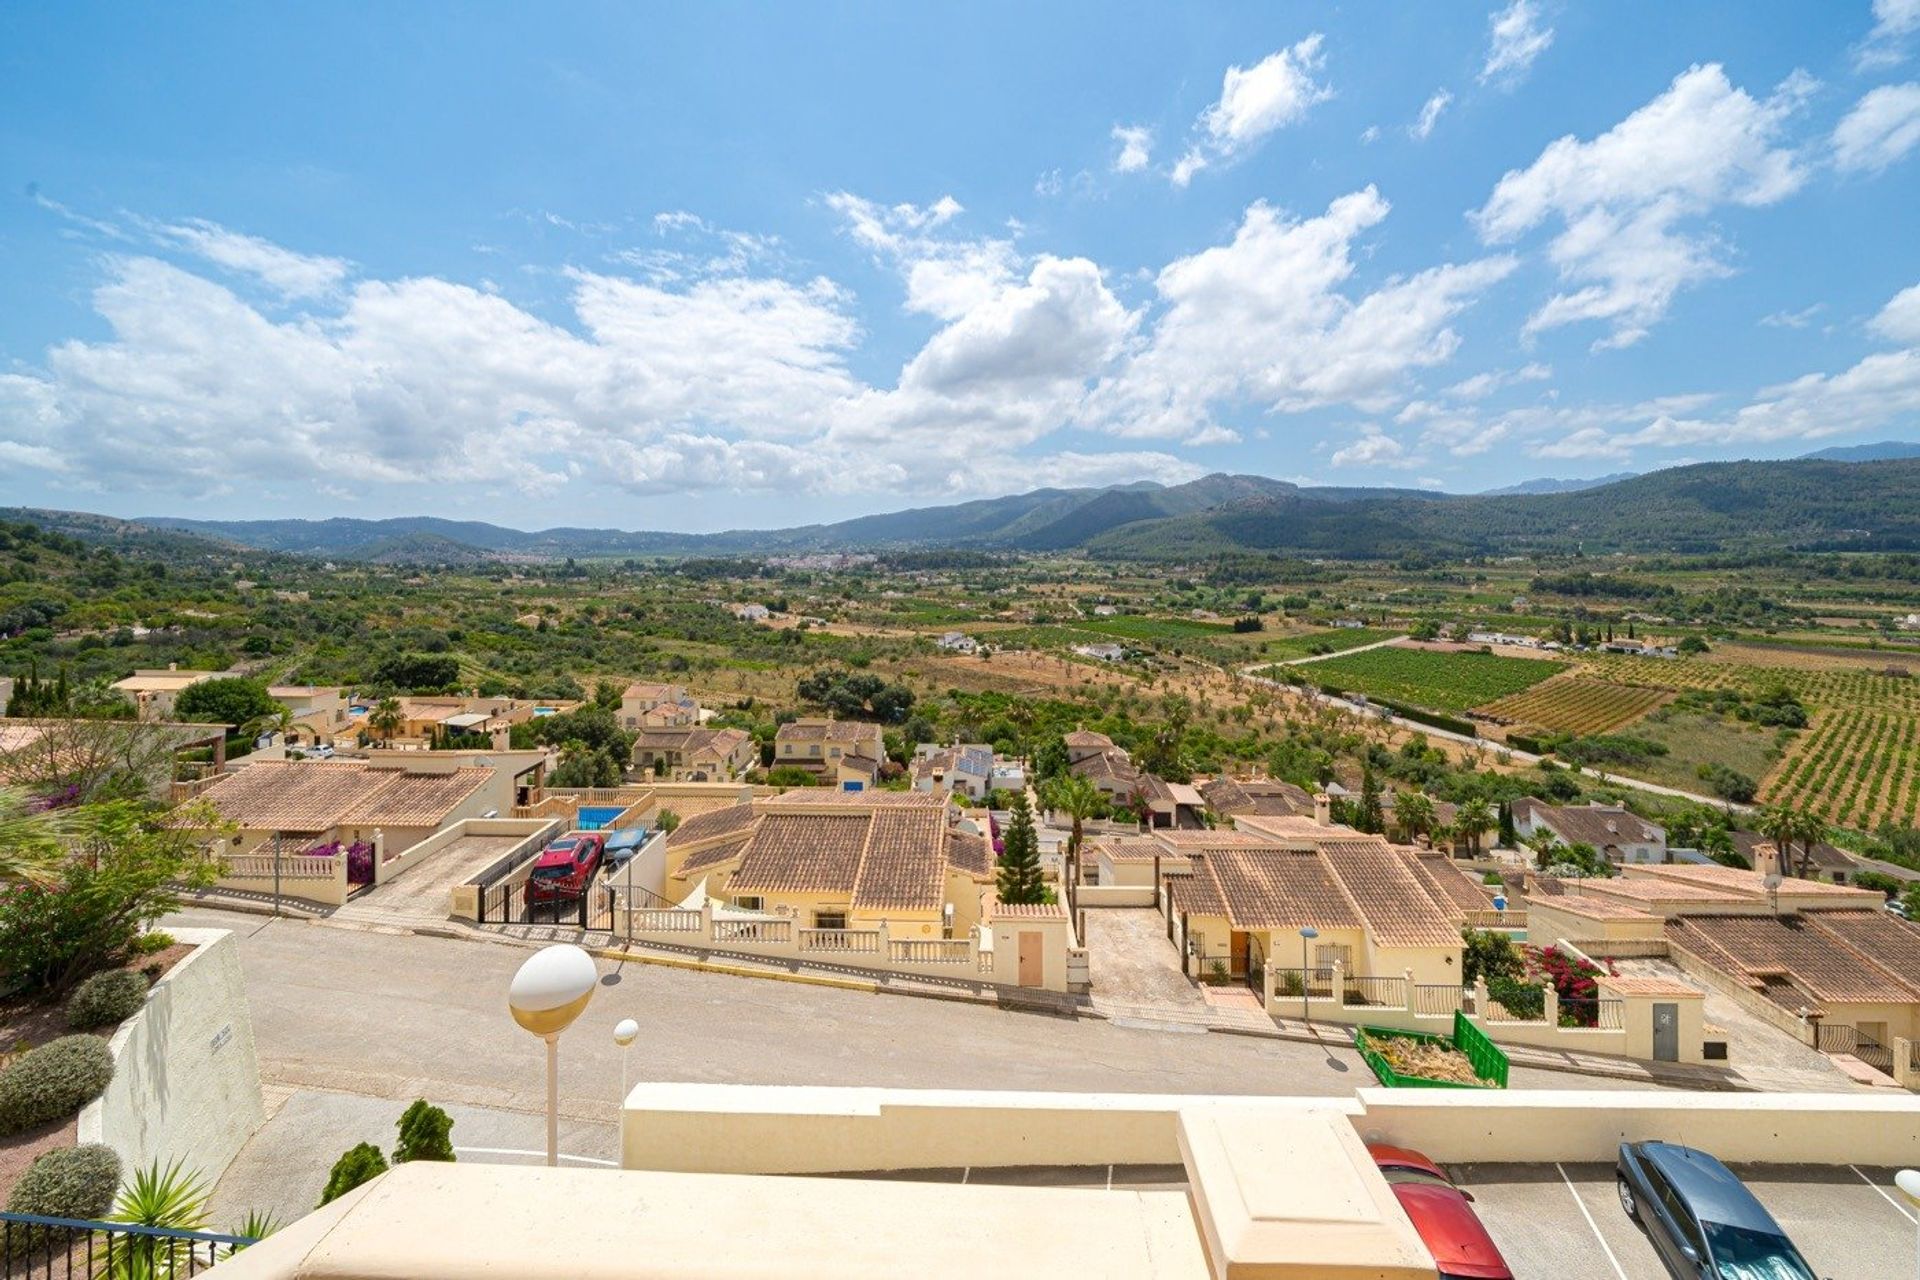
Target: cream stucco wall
<point>186,1082</point>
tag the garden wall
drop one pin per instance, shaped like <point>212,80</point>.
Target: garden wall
<point>186,1082</point>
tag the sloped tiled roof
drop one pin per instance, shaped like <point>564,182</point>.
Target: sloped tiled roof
<point>1339,881</point>
<point>969,853</point>
<point>827,731</point>
<point>706,826</point>
<point>1592,906</point>
<point>1447,882</point>
<point>715,854</point>
<point>834,797</point>
<point>1751,884</point>
<point>905,861</point>
<point>1597,825</point>
<point>318,795</point>
<point>1753,948</point>
<point>416,799</point>
<point>1229,795</point>
<point>1087,738</point>
<point>810,853</point>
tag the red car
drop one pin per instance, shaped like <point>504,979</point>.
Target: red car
<point>566,867</point>
<point>1443,1215</point>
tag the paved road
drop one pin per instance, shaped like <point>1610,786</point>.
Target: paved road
<point>395,1015</point>
<point>1338,653</point>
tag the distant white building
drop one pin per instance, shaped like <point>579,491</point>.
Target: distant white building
<point>957,642</point>
<point>1104,610</point>
<point>1501,637</point>
<point>1349,624</point>
<point>752,612</point>
<point>1104,652</point>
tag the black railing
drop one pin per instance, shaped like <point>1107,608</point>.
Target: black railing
<point>592,908</point>
<point>39,1248</point>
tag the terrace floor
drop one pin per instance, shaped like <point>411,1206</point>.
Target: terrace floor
<point>421,892</point>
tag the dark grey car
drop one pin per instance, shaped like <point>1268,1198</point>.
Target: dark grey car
<point>1702,1220</point>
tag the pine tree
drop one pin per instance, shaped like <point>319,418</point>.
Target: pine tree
<point>1019,878</point>
<point>362,1163</point>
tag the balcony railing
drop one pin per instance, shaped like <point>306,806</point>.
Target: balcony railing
<point>1851,1040</point>
<point>664,920</point>
<point>1488,919</point>
<point>1315,984</point>
<point>1438,999</point>
<point>931,950</point>
<point>841,941</point>
<point>750,930</point>
<point>1603,1014</point>
<point>40,1248</point>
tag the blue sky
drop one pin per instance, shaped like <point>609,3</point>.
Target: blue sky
<point>728,265</point>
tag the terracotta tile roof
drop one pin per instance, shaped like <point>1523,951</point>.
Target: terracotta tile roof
<point>1826,857</point>
<point>1340,881</point>
<point>715,854</point>
<point>1398,909</point>
<point>1211,839</point>
<point>1106,765</point>
<point>1275,888</point>
<point>1195,895</point>
<point>905,862</point>
<point>706,826</point>
<point>1754,948</point>
<point>879,857</point>
<point>1590,907</point>
<point>1634,889</point>
<point>318,795</point>
<point>663,739</point>
<point>1027,911</point>
<point>1877,933</point>
<point>827,731</point>
<point>969,853</point>
<point>1597,825</point>
<point>804,853</point>
<point>1087,738</point>
<point>1229,795</point>
<point>416,799</point>
<point>1447,882</point>
<point>854,799</point>
<point>1288,826</point>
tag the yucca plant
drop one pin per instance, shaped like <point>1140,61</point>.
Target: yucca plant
<point>173,1198</point>
<point>255,1227</point>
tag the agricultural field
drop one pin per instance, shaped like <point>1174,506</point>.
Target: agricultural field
<point>1330,640</point>
<point>1695,738</point>
<point>1576,704</point>
<point>1134,628</point>
<point>1859,765</point>
<point>1443,681</point>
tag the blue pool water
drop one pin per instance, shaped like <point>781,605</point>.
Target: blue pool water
<point>595,816</point>
<point>544,711</point>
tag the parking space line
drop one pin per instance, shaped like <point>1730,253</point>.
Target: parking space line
<point>539,1155</point>
<point>1897,1206</point>
<point>1591,1224</point>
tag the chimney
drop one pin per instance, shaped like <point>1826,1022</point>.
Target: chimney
<point>173,666</point>
<point>1323,808</point>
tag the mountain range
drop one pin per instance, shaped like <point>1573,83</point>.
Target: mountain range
<point>1810,503</point>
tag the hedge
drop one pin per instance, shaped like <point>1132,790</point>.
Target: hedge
<point>52,1082</point>
<point>106,998</point>
<point>70,1182</point>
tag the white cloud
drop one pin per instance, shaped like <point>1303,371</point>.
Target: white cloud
<point>1793,319</point>
<point>1882,127</point>
<point>1482,385</point>
<point>1899,320</point>
<point>1374,448</point>
<point>1215,434</point>
<point>1370,134</point>
<point>1267,320</point>
<point>1515,39</point>
<point>1254,101</point>
<point>1421,129</point>
<point>1136,148</point>
<point>1893,22</point>
<point>292,275</point>
<point>1626,199</point>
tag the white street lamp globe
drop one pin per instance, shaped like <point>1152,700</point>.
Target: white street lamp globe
<point>625,1032</point>
<point>552,989</point>
<point>1908,1180</point>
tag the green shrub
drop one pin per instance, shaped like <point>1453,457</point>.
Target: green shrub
<point>1524,1000</point>
<point>361,1164</point>
<point>425,1134</point>
<point>71,1182</point>
<point>107,998</point>
<point>52,1082</point>
<point>152,942</point>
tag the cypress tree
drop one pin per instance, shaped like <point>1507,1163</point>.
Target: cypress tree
<point>1370,818</point>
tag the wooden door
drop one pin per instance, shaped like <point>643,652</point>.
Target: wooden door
<point>1032,959</point>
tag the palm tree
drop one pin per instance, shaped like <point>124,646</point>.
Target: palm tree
<point>1079,799</point>
<point>33,837</point>
<point>278,722</point>
<point>1413,814</point>
<point>1786,827</point>
<point>387,719</point>
<point>1475,819</point>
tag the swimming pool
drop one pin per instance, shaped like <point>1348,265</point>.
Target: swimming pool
<point>592,817</point>
<point>545,711</point>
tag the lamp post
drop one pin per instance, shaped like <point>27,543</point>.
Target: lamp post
<point>551,990</point>
<point>1908,1180</point>
<point>625,1032</point>
<point>1307,934</point>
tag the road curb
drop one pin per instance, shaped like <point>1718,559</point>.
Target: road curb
<point>741,971</point>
